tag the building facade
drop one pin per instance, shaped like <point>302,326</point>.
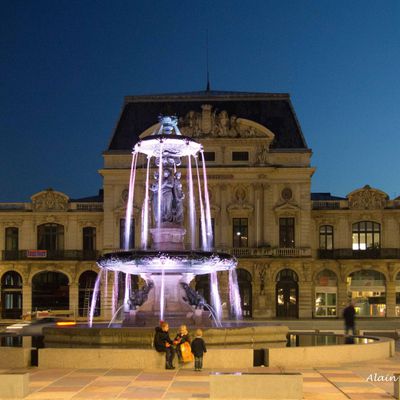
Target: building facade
<point>300,254</point>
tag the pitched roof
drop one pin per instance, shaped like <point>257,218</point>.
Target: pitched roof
<point>273,110</point>
<point>325,196</point>
<point>90,199</point>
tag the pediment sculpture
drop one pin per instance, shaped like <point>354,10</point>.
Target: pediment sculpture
<point>367,198</point>
<point>50,200</point>
<point>213,123</point>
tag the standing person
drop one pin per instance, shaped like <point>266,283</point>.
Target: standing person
<point>163,343</point>
<point>198,349</point>
<point>349,315</point>
<point>181,338</point>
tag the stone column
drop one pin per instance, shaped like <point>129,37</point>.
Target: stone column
<point>259,218</point>
<point>26,298</point>
<point>306,302</point>
<point>270,300</point>
<point>342,297</point>
<point>305,299</point>
<point>390,299</point>
<point>258,291</point>
<point>73,298</point>
<point>267,215</point>
<point>224,225</point>
<point>106,296</point>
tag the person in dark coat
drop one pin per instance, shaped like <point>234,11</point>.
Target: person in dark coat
<point>198,349</point>
<point>181,337</point>
<point>349,316</point>
<point>163,343</point>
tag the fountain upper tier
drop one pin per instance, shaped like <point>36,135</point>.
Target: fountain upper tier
<point>169,145</point>
<point>147,261</point>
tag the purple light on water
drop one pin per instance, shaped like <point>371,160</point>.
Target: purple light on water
<point>106,284</point>
<point>215,299</point>
<point>159,194</point>
<point>202,215</point>
<point>234,294</point>
<point>207,201</point>
<point>114,300</point>
<point>192,211</point>
<point>162,293</point>
<point>129,206</point>
<point>94,298</point>
<point>127,293</point>
<point>145,216</point>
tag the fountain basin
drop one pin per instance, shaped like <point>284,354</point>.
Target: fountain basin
<point>142,337</point>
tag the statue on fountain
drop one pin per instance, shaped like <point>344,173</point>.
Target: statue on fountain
<point>171,207</point>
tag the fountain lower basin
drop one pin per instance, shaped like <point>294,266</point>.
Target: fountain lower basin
<point>153,261</point>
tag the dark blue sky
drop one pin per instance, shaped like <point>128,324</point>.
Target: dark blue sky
<point>66,66</point>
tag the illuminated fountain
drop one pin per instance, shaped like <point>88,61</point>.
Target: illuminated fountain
<point>163,262</point>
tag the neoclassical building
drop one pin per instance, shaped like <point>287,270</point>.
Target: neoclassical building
<point>300,254</point>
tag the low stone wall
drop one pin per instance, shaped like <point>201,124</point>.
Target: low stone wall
<point>15,357</point>
<point>136,358</point>
<point>314,356</point>
<point>256,386</point>
<point>257,336</point>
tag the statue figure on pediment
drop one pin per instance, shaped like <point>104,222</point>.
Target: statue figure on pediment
<point>191,124</point>
<point>222,126</point>
<point>50,200</point>
<point>262,155</point>
<point>367,199</point>
<point>234,128</point>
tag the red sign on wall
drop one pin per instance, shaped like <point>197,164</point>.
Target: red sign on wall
<point>36,253</point>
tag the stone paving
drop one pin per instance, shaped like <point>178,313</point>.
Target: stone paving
<point>350,381</point>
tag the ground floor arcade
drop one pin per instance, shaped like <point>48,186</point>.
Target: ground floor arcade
<point>278,289</point>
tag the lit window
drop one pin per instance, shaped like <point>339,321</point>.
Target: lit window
<point>366,235</point>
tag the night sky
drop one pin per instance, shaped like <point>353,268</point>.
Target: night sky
<point>66,66</point>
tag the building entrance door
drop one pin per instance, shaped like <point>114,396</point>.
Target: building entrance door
<point>287,294</point>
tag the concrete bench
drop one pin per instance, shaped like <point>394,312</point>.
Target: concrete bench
<point>15,357</point>
<point>14,386</point>
<point>257,385</point>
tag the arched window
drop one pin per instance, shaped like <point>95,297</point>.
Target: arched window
<point>11,243</point>
<point>326,294</point>
<point>366,235</point>
<point>287,293</point>
<point>240,232</point>
<point>50,237</point>
<point>50,291</point>
<point>367,289</point>
<point>87,281</point>
<point>11,295</point>
<point>287,275</point>
<point>11,239</point>
<point>326,237</point>
<point>89,238</point>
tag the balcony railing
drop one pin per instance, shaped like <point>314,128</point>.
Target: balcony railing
<point>359,254</point>
<point>79,255</point>
<point>273,252</point>
<point>329,204</point>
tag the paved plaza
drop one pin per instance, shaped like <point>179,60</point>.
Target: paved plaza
<point>350,381</point>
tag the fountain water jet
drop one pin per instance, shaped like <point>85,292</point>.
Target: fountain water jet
<point>167,267</point>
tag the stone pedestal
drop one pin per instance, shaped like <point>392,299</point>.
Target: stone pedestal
<point>168,238</point>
